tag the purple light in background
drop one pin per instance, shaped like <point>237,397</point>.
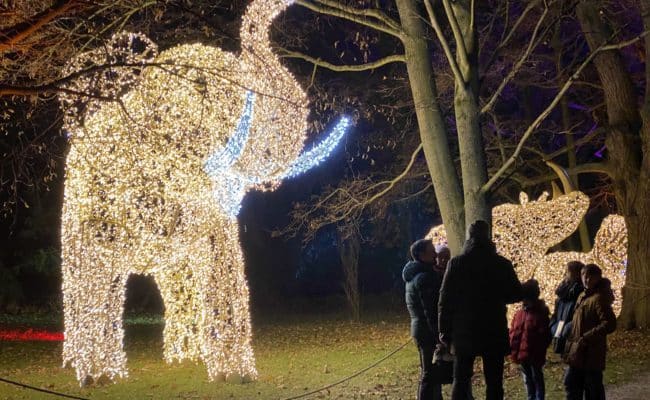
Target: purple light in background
<point>599,153</point>
<point>577,106</point>
<point>593,128</point>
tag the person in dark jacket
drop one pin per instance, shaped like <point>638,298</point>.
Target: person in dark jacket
<point>443,256</point>
<point>567,295</point>
<point>530,335</point>
<point>586,346</point>
<point>472,310</point>
<point>422,289</point>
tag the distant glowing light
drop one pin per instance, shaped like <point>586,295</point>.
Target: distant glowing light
<point>525,232</point>
<point>30,335</point>
<point>154,183</point>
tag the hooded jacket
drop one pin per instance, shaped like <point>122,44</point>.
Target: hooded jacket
<point>422,286</point>
<point>530,334</point>
<point>475,290</point>
<point>593,320</point>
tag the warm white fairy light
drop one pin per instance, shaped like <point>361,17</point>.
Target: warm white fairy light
<point>525,232</point>
<point>155,180</point>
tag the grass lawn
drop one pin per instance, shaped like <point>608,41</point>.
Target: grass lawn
<point>293,356</point>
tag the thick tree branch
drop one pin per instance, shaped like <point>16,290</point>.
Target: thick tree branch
<point>425,189</point>
<point>58,85</point>
<point>541,117</point>
<point>455,69</point>
<point>359,18</point>
<point>43,89</point>
<point>346,67</point>
<point>461,49</point>
<point>20,32</point>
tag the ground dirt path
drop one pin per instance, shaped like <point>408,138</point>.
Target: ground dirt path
<point>637,389</point>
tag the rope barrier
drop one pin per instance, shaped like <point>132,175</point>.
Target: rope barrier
<point>347,378</point>
<point>300,396</point>
<point>22,385</point>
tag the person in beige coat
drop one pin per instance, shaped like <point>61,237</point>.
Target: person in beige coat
<point>586,346</point>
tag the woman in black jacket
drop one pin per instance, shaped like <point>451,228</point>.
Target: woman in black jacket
<point>567,295</point>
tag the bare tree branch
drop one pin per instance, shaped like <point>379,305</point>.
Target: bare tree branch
<point>390,184</point>
<point>344,203</point>
<point>554,103</point>
<point>426,188</point>
<point>453,64</point>
<point>368,12</point>
<point>347,67</point>
<point>10,40</point>
<point>515,69</point>
<point>588,168</point>
<point>585,139</point>
<point>356,16</point>
<point>506,39</point>
<point>461,49</point>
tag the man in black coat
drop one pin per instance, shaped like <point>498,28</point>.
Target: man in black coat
<point>476,287</point>
<point>422,289</point>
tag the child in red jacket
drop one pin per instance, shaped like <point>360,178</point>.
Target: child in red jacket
<point>530,336</point>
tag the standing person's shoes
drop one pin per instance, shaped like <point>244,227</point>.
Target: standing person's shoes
<point>584,384</point>
<point>534,381</point>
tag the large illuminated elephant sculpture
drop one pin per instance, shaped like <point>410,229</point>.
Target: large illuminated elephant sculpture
<point>163,147</point>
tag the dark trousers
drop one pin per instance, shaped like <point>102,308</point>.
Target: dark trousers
<point>464,369</point>
<point>428,389</point>
<point>584,384</point>
<point>534,381</point>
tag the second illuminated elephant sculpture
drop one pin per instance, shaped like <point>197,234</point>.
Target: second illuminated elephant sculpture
<point>154,182</point>
<point>525,232</point>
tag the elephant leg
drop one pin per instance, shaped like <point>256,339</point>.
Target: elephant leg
<point>179,290</point>
<point>226,334</point>
<point>93,300</point>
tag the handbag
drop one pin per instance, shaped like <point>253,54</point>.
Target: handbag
<point>575,354</point>
<point>443,365</point>
<point>560,335</point>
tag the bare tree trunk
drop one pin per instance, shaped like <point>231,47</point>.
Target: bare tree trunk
<point>433,132</point>
<point>627,140</point>
<point>349,252</point>
<point>636,293</point>
<point>466,107</point>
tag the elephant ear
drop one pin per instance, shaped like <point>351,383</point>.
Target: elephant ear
<point>106,72</point>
